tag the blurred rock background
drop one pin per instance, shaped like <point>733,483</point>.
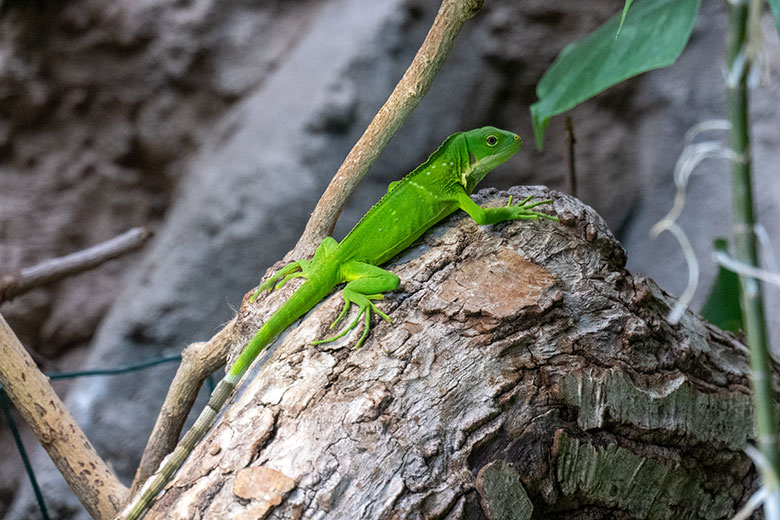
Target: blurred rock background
<point>220,122</point>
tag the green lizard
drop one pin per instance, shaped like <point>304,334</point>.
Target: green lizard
<point>436,188</point>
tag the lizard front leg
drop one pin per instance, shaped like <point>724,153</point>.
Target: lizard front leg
<point>365,282</point>
<point>520,211</point>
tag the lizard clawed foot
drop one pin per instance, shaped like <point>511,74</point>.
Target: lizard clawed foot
<point>365,305</point>
<point>525,209</point>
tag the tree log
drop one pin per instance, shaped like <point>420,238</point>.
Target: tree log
<point>525,373</point>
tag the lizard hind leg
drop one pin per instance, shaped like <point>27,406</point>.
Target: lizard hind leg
<point>366,282</point>
<point>305,270</point>
<point>365,306</point>
<point>297,269</point>
<point>287,272</point>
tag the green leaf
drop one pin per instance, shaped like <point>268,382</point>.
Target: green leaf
<point>653,37</point>
<point>623,16</point>
<point>722,307</point>
<point>774,6</point>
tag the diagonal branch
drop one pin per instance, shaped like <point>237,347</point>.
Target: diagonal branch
<point>198,361</point>
<point>407,94</point>
<point>87,474</point>
<point>415,83</point>
<point>50,271</point>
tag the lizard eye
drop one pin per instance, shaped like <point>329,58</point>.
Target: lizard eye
<point>491,140</point>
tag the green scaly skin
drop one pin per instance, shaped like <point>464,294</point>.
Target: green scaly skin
<point>438,187</point>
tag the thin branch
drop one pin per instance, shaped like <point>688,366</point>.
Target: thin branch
<point>86,473</point>
<point>571,171</point>
<point>693,154</point>
<point>753,503</point>
<point>56,269</point>
<point>198,361</point>
<point>676,314</point>
<point>407,94</point>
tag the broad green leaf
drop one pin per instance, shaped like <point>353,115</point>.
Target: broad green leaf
<point>623,16</point>
<point>774,6</point>
<point>652,37</point>
<point>722,307</point>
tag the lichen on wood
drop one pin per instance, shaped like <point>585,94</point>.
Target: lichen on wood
<point>503,497</point>
<point>676,406</point>
<point>617,478</point>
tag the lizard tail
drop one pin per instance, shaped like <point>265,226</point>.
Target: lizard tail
<point>307,295</point>
<point>136,508</point>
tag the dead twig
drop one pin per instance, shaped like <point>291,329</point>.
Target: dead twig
<point>571,172</point>
<point>86,473</point>
<point>53,270</point>
<point>198,361</point>
<point>407,94</point>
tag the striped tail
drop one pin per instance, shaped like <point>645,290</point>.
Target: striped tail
<point>136,508</point>
<point>306,297</point>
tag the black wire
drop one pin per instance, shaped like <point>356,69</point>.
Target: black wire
<point>5,404</point>
<point>114,371</point>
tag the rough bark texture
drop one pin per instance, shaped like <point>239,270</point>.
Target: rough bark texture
<point>526,374</point>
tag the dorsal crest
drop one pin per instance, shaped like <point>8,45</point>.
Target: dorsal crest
<point>438,156</point>
<point>450,145</point>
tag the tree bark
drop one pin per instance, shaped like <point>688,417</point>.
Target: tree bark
<point>526,373</point>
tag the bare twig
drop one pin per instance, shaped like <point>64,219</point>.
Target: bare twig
<point>56,269</point>
<point>571,172</point>
<point>86,473</point>
<point>197,362</point>
<point>407,94</point>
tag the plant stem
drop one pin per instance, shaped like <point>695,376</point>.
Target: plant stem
<point>746,248</point>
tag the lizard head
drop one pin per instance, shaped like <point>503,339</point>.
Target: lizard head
<point>488,148</point>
